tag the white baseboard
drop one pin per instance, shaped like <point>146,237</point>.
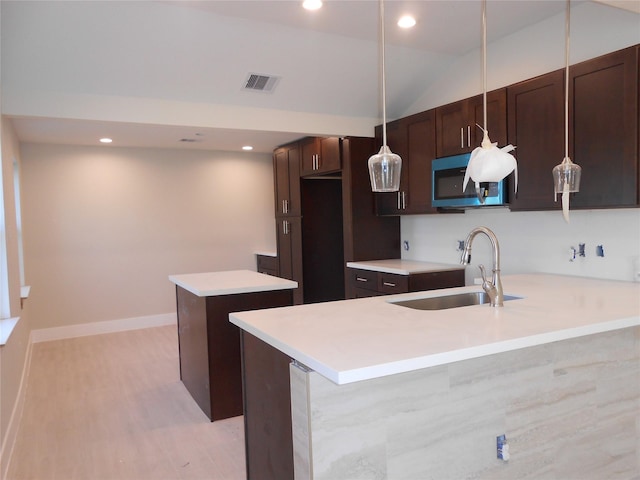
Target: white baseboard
<point>97,328</point>
<point>9,440</point>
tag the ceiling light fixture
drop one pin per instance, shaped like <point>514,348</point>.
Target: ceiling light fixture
<point>106,140</point>
<point>406,21</point>
<point>566,175</point>
<point>488,163</point>
<point>312,4</point>
<point>247,148</point>
<point>385,166</point>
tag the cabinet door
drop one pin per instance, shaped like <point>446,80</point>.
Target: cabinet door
<point>413,138</point>
<point>536,128</point>
<point>496,118</point>
<point>421,150</point>
<point>320,155</point>
<point>456,123</point>
<point>452,129</point>
<point>393,203</point>
<point>604,129</point>
<point>289,231</point>
<point>330,155</point>
<point>286,170</point>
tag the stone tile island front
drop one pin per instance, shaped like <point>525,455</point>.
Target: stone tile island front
<point>378,390</point>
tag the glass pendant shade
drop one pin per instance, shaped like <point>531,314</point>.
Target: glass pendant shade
<point>385,166</point>
<point>384,170</point>
<point>566,177</point>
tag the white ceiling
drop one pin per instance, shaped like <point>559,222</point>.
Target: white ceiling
<point>199,52</point>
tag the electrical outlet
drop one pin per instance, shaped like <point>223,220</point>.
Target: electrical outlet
<point>502,448</point>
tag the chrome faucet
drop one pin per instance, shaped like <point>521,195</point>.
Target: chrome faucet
<point>493,287</point>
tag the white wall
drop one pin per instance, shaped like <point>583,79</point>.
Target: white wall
<point>104,227</point>
<point>14,354</point>
<point>532,241</point>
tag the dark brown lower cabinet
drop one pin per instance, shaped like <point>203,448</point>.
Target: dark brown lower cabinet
<point>368,283</point>
<point>267,410</point>
<point>210,362</point>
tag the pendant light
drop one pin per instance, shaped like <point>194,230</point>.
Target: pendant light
<point>566,175</point>
<point>385,166</point>
<point>488,163</point>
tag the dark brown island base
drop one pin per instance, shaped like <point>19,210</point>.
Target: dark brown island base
<point>210,365</point>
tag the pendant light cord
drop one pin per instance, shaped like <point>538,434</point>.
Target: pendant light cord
<point>484,62</point>
<point>384,85</point>
<point>566,81</point>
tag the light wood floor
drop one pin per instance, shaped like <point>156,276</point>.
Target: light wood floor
<point>112,407</point>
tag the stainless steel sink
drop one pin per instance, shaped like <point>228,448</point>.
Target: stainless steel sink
<point>449,301</point>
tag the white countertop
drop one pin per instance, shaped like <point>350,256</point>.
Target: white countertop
<point>230,282</point>
<point>352,340</point>
<point>267,254</point>
<point>404,267</point>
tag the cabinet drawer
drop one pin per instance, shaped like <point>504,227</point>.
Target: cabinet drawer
<point>390,283</point>
<point>364,279</point>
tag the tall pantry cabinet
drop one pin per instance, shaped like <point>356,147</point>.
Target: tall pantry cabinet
<point>325,215</point>
<point>286,176</point>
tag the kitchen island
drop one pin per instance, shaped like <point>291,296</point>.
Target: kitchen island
<point>380,390</point>
<point>209,345</point>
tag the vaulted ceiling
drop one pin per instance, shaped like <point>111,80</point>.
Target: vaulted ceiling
<point>171,73</point>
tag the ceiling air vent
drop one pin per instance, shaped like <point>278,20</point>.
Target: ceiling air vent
<point>257,82</point>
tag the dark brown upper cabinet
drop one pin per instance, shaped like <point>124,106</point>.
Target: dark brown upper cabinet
<point>603,122</point>
<point>457,123</point>
<point>536,128</point>
<point>603,133</point>
<point>320,155</point>
<point>413,138</point>
<point>286,172</point>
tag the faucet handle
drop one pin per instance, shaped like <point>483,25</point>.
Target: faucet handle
<point>488,286</point>
<point>483,273</point>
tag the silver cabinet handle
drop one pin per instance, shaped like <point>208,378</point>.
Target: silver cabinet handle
<point>468,135</point>
<point>388,284</point>
<point>402,200</point>
<point>285,206</point>
<point>360,279</point>
<point>285,227</point>
<point>461,137</point>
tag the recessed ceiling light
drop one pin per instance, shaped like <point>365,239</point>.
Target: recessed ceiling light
<point>247,147</point>
<point>105,140</point>
<point>312,4</point>
<point>406,21</point>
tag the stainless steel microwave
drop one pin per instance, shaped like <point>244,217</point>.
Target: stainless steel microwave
<point>447,175</point>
